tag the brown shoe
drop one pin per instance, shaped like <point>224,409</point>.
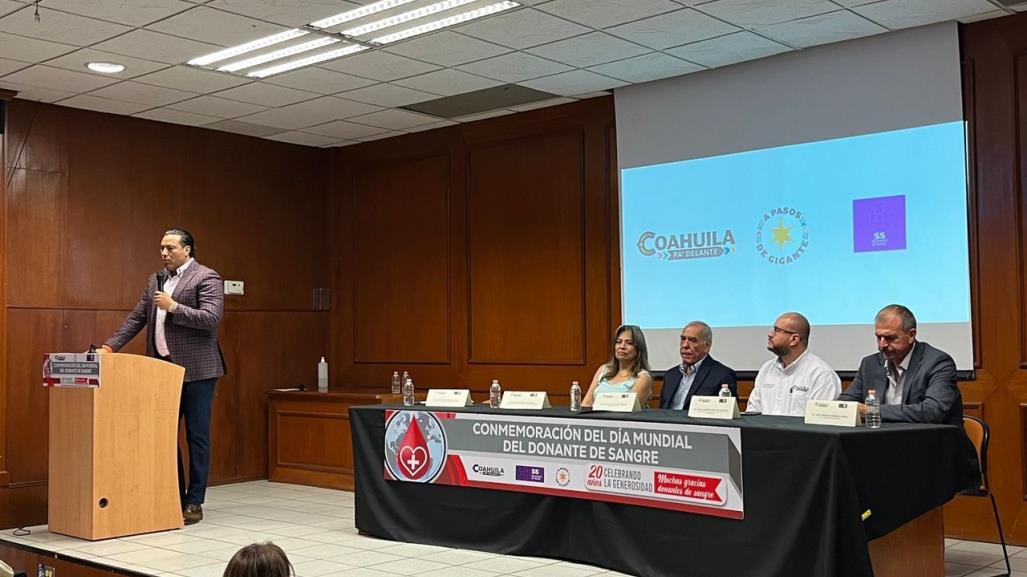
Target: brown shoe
<point>192,514</point>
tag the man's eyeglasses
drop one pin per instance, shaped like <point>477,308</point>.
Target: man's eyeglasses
<point>778,329</point>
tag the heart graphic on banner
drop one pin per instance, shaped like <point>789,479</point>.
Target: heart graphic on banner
<point>412,460</point>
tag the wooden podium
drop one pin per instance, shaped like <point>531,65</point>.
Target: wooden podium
<point>113,451</point>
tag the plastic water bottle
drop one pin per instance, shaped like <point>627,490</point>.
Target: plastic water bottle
<point>408,393</point>
<point>725,391</point>
<point>322,376</point>
<point>397,385</point>
<point>575,397</point>
<point>406,376</point>
<point>873,415</point>
<point>495,394</point>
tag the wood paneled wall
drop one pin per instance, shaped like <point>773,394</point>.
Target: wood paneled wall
<point>995,100</point>
<point>86,200</point>
<point>478,251</point>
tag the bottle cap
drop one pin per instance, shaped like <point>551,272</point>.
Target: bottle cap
<point>872,391</point>
<point>322,359</point>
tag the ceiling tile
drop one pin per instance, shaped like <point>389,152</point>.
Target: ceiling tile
<point>156,46</point>
<point>988,15</point>
<point>737,47</point>
<point>8,66</point>
<point>447,48</point>
<point>514,67</point>
<point>588,50</point>
<point>822,29</point>
<point>34,93</point>
<point>267,94</point>
<point>69,28</point>
<point>523,28</point>
<point>483,115</point>
<point>381,66</point>
<point>573,83</point>
<point>906,13</point>
<point>176,117</point>
<point>543,104</point>
<point>192,79</point>
<point>217,107</point>
<point>131,91</point>
<point>647,67</point>
<point>607,12</point>
<point>394,119</point>
<point>292,13</point>
<point>8,6</point>
<point>447,82</point>
<point>320,80</point>
<point>215,26</point>
<point>100,104</point>
<point>42,76</point>
<point>240,127</point>
<point>304,114</point>
<point>763,12</point>
<point>304,138</point>
<point>130,12</point>
<point>388,95</point>
<point>674,29</point>
<point>432,126</point>
<point>341,129</point>
<point>31,49</point>
<point>133,66</point>
<point>388,134</point>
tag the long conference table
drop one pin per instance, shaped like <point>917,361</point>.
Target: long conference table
<point>814,497</point>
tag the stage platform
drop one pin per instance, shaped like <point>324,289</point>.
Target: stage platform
<point>315,528</point>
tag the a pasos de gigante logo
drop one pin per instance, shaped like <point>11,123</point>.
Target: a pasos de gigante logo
<point>782,235</point>
<point>687,245</point>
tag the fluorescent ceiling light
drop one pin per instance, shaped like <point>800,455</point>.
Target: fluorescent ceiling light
<point>406,17</point>
<point>105,67</point>
<point>248,47</point>
<point>307,61</point>
<point>290,51</point>
<point>358,13</point>
<point>448,21</point>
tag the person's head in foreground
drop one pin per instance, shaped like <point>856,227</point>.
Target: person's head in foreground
<point>259,560</point>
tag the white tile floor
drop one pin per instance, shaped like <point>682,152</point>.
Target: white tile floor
<point>315,528</point>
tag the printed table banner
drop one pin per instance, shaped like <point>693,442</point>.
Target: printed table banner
<point>71,370</point>
<point>691,468</point>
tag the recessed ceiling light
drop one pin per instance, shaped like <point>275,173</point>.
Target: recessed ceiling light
<point>406,17</point>
<point>248,47</point>
<point>291,51</point>
<point>105,67</point>
<point>448,21</point>
<point>307,61</point>
<point>358,13</point>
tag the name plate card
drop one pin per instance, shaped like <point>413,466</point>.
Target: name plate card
<point>713,408</point>
<point>616,402</point>
<point>836,413</point>
<point>448,398</point>
<point>525,400</point>
<point>71,370</point>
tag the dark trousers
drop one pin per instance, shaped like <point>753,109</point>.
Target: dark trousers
<point>195,407</point>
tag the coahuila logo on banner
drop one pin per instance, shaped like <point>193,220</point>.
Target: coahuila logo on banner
<point>488,470</point>
<point>782,235</point>
<point>415,446</point>
<point>704,244</point>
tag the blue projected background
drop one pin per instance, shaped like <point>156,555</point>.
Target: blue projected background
<point>834,229</point>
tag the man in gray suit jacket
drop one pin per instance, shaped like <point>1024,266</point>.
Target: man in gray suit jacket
<point>181,308</point>
<point>915,382</point>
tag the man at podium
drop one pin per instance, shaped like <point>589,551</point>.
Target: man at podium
<point>181,308</point>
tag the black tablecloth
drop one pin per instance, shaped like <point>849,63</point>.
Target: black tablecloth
<point>805,489</point>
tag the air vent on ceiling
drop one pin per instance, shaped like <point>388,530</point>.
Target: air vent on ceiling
<point>495,98</point>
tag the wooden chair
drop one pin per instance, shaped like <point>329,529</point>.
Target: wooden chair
<point>979,434</point>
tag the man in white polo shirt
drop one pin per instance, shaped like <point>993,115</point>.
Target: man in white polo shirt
<point>785,383</point>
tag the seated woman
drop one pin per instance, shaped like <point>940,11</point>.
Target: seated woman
<point>259,560</point>
<point>628,369</point>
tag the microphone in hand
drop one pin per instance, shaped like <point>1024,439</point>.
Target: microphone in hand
<point>162,277</point>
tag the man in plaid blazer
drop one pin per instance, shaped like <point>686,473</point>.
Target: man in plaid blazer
<point>181,308</point>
